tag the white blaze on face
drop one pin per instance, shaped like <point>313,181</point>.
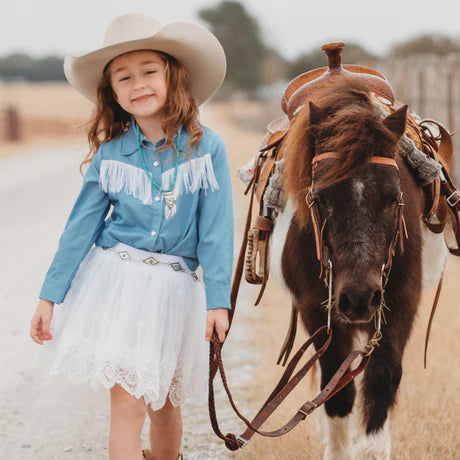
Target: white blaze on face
<point>358,191</point>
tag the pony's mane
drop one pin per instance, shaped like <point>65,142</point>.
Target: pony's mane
<point>346,122</point>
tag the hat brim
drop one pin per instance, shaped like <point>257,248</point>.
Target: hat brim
<point>194,46</point>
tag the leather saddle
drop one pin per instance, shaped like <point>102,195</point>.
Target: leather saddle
<point>441,197</point>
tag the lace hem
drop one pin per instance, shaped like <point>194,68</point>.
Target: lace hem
<point>151,378</point>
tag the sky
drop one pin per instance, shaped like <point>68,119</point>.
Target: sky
<point>48,27</point>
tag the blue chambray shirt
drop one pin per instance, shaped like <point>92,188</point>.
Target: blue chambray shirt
<point>201,230</point>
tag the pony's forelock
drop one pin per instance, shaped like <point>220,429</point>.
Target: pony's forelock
<point>348,125</point>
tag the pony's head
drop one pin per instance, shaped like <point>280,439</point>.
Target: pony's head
<point>357,199</point>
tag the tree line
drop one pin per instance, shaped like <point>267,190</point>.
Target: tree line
<point>250,61</point>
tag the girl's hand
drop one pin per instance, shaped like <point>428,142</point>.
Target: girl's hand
<point>40,323</point>
<point>217,319</point>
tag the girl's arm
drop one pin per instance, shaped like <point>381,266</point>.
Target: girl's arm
<point>215,242</point>
<point>83,227</point>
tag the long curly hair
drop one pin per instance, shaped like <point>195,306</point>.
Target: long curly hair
<point>109,119</point>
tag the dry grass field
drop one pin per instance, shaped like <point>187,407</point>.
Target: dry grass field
<point>425,424</point>
<point>50,114</point>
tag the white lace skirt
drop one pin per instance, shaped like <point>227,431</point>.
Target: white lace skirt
<point>129,323</point>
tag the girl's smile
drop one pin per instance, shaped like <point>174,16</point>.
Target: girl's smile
<point>144,98</point>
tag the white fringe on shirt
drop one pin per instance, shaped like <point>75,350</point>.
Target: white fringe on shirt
<point>191,176</point>
<point>116,176</point>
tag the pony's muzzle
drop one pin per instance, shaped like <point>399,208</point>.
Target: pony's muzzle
<point>358,302</point>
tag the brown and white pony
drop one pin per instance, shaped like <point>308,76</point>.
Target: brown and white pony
<point>357,202</point>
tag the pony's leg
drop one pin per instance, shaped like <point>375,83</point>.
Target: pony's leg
<point>376,445</point>
<point>339,438</point>
<point>339,424</point>
<point>380,383</point>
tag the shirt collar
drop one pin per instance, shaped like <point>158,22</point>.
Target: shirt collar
<point>129,144</point>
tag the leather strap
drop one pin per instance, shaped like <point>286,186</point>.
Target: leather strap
<point>265,176</point>
<point>286,348</point>
<point>433,311</point>
<point>337,156</point>
<point>264,253</point>
<point>263,223</point>
<point>341,378</point>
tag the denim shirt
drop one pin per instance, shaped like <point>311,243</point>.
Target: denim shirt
<point>200,230</point>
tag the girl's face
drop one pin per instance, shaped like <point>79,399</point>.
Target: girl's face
<point>139,84</point>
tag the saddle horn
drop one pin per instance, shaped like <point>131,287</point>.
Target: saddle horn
<point>310,85</point>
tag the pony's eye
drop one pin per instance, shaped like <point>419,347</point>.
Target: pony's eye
<point>324,205</point>
<point>392,200</point>
<point>320,199</point>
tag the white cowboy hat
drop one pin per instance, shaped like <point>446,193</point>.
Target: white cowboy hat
<point>194,46</point>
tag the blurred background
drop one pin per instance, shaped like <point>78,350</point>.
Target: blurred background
<point>414,43</point>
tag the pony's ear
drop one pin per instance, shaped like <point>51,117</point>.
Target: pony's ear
<point>396,122</point>
<point>316,113</point>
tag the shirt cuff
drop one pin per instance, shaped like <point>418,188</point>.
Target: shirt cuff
<point>52,290</point>
<point>217,297</point>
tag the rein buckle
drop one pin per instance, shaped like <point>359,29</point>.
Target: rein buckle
<point>309,411</point>
<point>242,440</point>
<point>454,198</point>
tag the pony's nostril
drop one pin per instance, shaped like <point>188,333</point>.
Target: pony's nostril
<point>344,302</point>
<point>358,302</point>
<point>376,300</point>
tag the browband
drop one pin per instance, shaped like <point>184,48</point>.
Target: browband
<point>337,156</point>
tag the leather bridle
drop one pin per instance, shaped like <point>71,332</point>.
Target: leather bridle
<point>322,251</point>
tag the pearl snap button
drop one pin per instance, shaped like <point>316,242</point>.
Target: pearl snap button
<point>154,233</point>
<point>155,163</point>
<point>157,198</point>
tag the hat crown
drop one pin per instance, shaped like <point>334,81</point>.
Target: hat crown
<point>131,26</point>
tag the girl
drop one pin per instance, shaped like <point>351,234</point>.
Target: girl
<point>133,311</point>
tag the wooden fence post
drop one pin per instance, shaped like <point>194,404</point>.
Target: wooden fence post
<point>12,125</point>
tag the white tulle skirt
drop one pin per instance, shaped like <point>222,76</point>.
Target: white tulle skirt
<point>129,323</point>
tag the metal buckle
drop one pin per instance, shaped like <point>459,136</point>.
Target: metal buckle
<point>241,439</point>
<point>372,344</point>
<point>314,406</point>
<point>455,194</point>
<point>309,198</point>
